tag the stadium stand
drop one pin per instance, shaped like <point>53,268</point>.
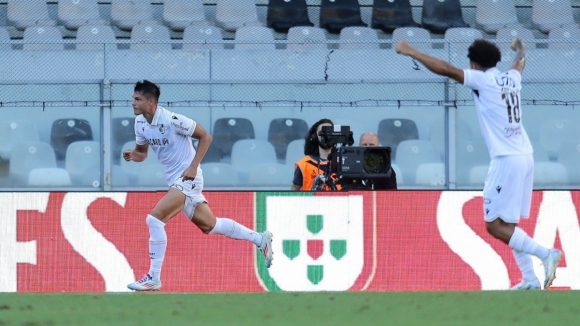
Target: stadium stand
<point>461,37</point>
<point>550,14</point>
<point>412,33</point>
<point>270,175</point>
<point>249,152</point>
<point>294,152</point>
<point>555,132</point>
<point>410,154</point>
<point>82,158</point>
<point>431,175</point>
<point>388,15</point>
<point>569,156</point>
<point>233,14</point>
<point>285,14</point>
<point>127,13</point>
<point>27,156</point>
<point>4,36</point>
<point>568,33</point>
<point>202,33</point>
<point>94,34</point>
<point>440,15</point>
<point>255,33</point>
<point>48,177</point>
<point>493,15</point>
<point>66,131</point>
<point>219,175</point>
<point>313,38</point>
<point>469,154</point>
<point>26,13</point>
<point>549,174</point>
<point>392,132</point>
<point>358,33</point>
<point>76,13</point>
<point>227,131</point>
<point>336,15</point>
<point>179,14</point>
<point>42,34</point>
<point>13,131</point>
<point>143,33</point>
<point>506,34</point>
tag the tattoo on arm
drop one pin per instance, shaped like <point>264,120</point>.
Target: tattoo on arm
<point>520,58</point>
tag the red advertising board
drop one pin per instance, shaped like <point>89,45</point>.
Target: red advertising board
<point>351,241</point>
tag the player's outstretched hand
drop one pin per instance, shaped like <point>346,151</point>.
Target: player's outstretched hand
<point>518,44</point>
<point>127,154</point>
<point>404,48</point>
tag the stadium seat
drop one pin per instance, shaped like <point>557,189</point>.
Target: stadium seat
<point>570,34</point>
<point>469,154</point>
<point>127,13</point>
<point>393,131</point>
<point>314,38</point>
<point>16,131</point>
<point>27,156</point>
<point>549,174</point>
<point>143,33</point>
<point>25,13</point>
<point>151,175</point>
<point>353,34</point>
<point>48,177</point>
<point>431,175</point>
<point>249,152</point>
<point>42,33</point>
<point>493,15</point>
<point>397,169</point>
<point>555,132</point>
<point>122,132</point>
<point>134,169</point>
<point>284,130</point>
<point>440,15</point>
<point>569,156</point>
<point>412,153</point>
<point>263,36</point>
<point>94,33</point>
<point>477,175</point>
<point>66,131</point>
<point>202,33</point>
<point>387,15</point>
<point>4,36</point>
<point>219,175</point>
<point>76,13</point>
<point>294,152</point>
<point>285,14</point>
<point>412,33</point>
<point>336,15</point>
<point>540,153</point>
<point>270,175</point>
<point>233,14</point>
<point>82,158</point>
<point>549,14</point>
<point>460,38</point>
<point>227,131</point>
<point>506,34</point>
<point>179,14</point>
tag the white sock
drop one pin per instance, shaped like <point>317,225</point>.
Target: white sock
<point>235,230</point>
<point>525,264</point>
<point>522,242</point>
<point>157,246</point>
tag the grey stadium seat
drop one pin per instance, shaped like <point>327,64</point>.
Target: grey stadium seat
<point>270,175</point>
<point>249,152</point>
<point>255,33</point>
<point>569,156</point>
<point>506,34</point>
<point>493,15</point>
<point>75,13</point>
<point>412,33</point>
<point>202,33</point>
<point>219,175</point>
<point>233,14</point>
<point>24,13</point>
<point>4,36</point>
<point>461,37</point>
<point>48,177</point>
<point>178,14</point>
<point>571,34</point>
<point>549,14</point>
<point>15,131</point>
<point>42,33</point>
<point>314,38</point>
<point>83,158</point>
<point>412,153</point>
<point>142,33</point>
<point>127,13</point>
<point>358,33</point>
<point>94,33</point>
<point>27,156</point>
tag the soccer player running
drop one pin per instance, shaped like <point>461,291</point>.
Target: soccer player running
<point>169,134</point>
<point>508,186</point>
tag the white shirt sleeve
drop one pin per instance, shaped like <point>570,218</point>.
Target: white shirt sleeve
<point>182,125</point>
<point>139,138</point>
<point>473,79</point>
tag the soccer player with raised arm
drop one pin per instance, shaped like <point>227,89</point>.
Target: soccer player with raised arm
<point>169,135</point>
<point>508,186</point>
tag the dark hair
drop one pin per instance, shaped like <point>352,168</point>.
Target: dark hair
<point>311,139</point>
<point>148,89</point>
<point>484,53</point>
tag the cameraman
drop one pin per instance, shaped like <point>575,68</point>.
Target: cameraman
<point>370,139</point>
<point>316,160</point>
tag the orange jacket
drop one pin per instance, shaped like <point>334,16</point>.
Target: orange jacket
<point>310,168</point>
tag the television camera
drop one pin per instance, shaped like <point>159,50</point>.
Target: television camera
<point>352,167</point>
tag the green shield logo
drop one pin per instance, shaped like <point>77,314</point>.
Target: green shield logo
<point>322,241</point>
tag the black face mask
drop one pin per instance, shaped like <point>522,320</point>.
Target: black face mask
<point>324,146</point>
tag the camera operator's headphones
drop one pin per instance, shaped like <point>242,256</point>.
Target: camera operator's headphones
<point>314,137</point>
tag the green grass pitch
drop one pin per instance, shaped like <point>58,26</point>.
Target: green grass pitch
<point>323,308</point>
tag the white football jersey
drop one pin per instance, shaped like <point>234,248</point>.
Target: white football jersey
<point>169,135</point>
<point>497,101</point>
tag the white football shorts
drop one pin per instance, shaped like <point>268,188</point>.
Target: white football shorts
<point>507,193</point>
<point>192,191</point>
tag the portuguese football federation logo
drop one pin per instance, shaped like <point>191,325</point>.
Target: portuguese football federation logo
<point>322,241</point>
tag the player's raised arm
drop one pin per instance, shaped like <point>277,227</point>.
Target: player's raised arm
<point>437,66</point>
<point>520,59</point>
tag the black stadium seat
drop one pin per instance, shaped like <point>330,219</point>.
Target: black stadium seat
<point>335,15</point>
<point>438,15</point>
<point>284,130</point>
<point>393,131</point>
<point>226,131</point>
<point>66,131</point>
<point>390,14</point>
<point>284,14</point>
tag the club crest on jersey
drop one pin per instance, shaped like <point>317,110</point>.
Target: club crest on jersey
<point>162,129</point>
<point>320,243</point>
